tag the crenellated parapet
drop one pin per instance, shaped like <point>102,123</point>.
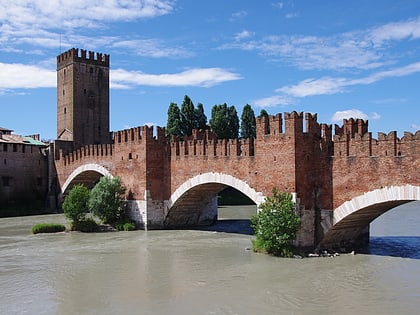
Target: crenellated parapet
<point>361,143</point>
<point>76,55</point>
<point>86,152</point>
<point>292,124</point>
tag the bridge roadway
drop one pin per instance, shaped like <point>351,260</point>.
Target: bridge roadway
<point>340,182</point>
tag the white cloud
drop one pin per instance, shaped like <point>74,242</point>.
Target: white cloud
<point>310,87</point>
<point>152,48</point>
<point>272,101</point>
<point>243,35</point>
<point>74,14</point>
<point>415,127</point>
<point>20,76</point>
<point>329,85</point>
<point>238,15</point>
<point>360,49</point>
<point>17,76</point>
<point>349,113</point>
<point>202,77</point>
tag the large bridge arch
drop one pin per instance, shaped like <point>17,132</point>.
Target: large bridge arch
<point>86,174</point>
<point>195,201</point>
<point>351,220</point>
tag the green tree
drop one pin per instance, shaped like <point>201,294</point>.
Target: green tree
<point>263,112</point>
<point>276,225</point>
<point>200,118</point>
<point>75,204</point>
<point>173,126</point>
<point>107,200</point>
<point>248,125</point>
<point>224,121</point>
<point>188,120</point>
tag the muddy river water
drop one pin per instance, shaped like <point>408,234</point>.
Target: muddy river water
<point>204,271</point>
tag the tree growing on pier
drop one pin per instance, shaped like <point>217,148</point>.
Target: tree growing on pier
<point>275,225</point>
<point>75,205</point>
<point>107,200</point>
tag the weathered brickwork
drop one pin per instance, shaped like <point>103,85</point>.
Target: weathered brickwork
<point>23,173</point>
<point>174,182</point>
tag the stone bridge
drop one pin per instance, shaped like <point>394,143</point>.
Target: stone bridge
<point>341,179</point>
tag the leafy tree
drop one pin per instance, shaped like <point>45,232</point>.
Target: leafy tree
<point>224,121</point>
<point>75,204</point>
<point>275,225</point>
<point>107,200</point>
<point>173,126</point>
<point>233,123</point>
<point>200,117</point>
<point>188,120</point>
<point>263,112</point>
<point>248,125</point>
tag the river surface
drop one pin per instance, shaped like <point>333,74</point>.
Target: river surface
<point>204,272</point>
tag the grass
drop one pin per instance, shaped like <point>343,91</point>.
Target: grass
<point>48,228</point>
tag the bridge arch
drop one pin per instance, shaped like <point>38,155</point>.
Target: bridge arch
<point>195,201</point>
<point>86,174</point>
<point>351,220</point>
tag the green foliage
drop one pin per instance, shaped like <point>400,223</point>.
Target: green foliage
<point>224,121</point>
<point>107,200</point>
<point>86,225</point>
<point>48,228</point>
<point>75,204</point>
<point>173,126</point>
<point>275,225</point>
<point>188,121</point>
<point>200,118</point>
<point>263,112</point>
<point>127,226</point>
<point>248,124</point>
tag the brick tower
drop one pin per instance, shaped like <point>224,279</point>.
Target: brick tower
<point>83,97</point>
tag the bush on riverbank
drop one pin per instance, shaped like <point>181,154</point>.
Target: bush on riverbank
<point>48,228</point>
<point>128,226</point>
<point>86,225</point>
<point>275,225</point>
<point>105,202</point>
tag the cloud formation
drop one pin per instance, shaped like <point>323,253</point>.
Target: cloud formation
<point>353,113</point>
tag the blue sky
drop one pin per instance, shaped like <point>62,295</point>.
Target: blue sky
<point>335,58</point>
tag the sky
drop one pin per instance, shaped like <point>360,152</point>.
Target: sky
<point>339,59</point>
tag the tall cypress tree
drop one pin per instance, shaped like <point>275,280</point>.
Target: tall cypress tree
<point>248,125</point>
<point>224,121</point>
<point>173,125</point>
<point>187,116</point>
<point>233,122</point>
<point>200,117</point>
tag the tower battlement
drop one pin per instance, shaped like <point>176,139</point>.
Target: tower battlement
<point>82,55</point>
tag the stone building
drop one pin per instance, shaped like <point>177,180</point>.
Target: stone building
<point>23,172</point>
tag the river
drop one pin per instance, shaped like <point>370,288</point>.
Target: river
<point>204,271</point>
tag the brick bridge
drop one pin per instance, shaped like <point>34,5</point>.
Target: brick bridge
<point>341,179</point>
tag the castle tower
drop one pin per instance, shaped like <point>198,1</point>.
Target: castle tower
<point>83,97</point>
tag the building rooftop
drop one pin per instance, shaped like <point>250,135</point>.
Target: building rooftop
<point>6,136</point>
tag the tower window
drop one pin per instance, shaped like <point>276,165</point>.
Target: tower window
<point>64,92</point>
<point>65,110</point>
<point>84,91</point>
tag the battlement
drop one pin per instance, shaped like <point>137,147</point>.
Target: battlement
<point>76,55</point>
<point>352,127</point>
<point>293,123</point>
<point>138,134</point>
<point>385,145</point>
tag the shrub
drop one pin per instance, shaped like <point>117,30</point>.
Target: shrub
<point>75,204</point>
<point>107,200</point>
<point>275,225</point>
<point>128,226</point>
<point>86,225</point>
<point>48,228</point>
